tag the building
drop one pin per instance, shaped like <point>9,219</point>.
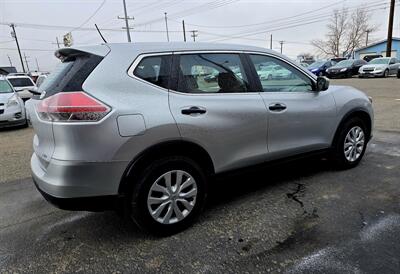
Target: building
<point>378,48</point>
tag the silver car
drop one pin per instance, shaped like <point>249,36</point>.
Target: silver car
<point>138,127</point>
<point>380,67</point>
<point>12,110</point>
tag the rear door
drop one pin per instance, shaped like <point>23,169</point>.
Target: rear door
<point>299,119</point>
<point>216,106</point>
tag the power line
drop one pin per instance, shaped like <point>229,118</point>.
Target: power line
<point>90,17</point>
<point>291,24</point>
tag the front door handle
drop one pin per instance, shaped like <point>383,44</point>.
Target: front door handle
<point>277,107</point>
<point>193,110</point>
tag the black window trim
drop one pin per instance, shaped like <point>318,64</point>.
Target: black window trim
<point>130,71</point>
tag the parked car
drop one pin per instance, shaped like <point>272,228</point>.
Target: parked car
<point>338,59</point>
<point>111,130</point>
<point>345,68</point>
<point>23,85</point>
<point>380,67</point>
<point>12,110</point>
<point>319,67</point>
<point>371,57</point>
<point>398,73</point>
<point>306,65</point>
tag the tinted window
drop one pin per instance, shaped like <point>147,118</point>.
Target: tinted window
<point>211,73</point>
<point>70,74</point>
<point>278,76</point>
<point>21,82</point>
<point>5,87</point>
<point>154,69</point>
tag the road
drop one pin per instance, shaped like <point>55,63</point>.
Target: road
<point>301,217</point>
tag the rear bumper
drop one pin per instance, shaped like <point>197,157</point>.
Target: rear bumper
<point>61,180</point>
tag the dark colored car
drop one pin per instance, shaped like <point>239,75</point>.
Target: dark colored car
<point>319,67</point>
<point>338,59</point>
<point>398,73</point>
<point>368,58</point>
<point>345,68</point>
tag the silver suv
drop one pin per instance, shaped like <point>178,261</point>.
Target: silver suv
<point>145,126</point>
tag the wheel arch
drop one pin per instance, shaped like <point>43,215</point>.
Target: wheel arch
<point>167,148</point>
<point>360,113</point>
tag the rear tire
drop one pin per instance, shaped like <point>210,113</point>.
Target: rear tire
<point>350,143</point>
<point>163,208</point>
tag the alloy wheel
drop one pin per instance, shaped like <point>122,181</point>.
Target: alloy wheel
<point>172,197</point>
<point>354,144</point>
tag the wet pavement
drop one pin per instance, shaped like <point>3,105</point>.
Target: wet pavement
<point>300,217</point>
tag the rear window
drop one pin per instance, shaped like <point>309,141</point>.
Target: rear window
<point>21,82</point>
<point>5,87</point>
<point>70,74</point>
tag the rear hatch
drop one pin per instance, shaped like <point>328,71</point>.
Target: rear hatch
<point>69,76</point>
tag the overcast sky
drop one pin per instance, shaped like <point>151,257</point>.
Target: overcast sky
<point>296,22</point>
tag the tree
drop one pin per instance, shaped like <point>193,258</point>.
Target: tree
<point>346,32</point>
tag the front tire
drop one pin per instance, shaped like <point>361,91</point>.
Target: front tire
<point>350,143</point>
<point>386,74</point>
<point>168,195</point>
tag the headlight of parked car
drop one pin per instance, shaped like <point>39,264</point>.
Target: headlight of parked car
<point>13,101</point>
<point>343,69</point>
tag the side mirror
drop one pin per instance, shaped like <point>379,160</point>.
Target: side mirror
<point>322,83</point>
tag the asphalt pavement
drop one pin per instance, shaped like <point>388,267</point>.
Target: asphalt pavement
<point>299,217</point>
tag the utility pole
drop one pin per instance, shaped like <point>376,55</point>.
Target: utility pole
<point>14,35</point>
<point>281,42</point>
<point>26,61</point>
<point>194,35</point>
<point>37,64</point>
<point>270,42</point>
<point>366,41</point>
<point>126,18</point>
<point>184,30</point>
<point>9,60</point>
<point>58,43</point>
<point>390,30</point>
<point>166,25</point>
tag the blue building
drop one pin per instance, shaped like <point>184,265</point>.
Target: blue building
<point>379,48</point>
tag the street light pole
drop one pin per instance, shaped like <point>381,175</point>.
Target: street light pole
<point>14,35</point>
<point>166,25</point>
<point>390,30</point>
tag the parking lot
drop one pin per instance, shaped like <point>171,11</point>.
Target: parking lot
<point>300,217</point>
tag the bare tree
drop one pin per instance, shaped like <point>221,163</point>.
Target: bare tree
<point>346,32</point>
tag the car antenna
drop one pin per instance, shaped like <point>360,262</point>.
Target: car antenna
<point>101,35</point>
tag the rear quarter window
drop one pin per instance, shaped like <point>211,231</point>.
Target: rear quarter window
<point>155,70</point>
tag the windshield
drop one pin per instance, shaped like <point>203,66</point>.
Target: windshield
<point>5,87</point>
<point>21,82</point>
<point>379,61</point>
<point>316,64</point>
<point>344,64</point>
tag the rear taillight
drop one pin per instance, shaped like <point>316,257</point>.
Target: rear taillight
<point>72,107</point>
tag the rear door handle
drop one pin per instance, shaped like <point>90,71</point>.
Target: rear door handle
<point>193,110</point>
<point>277,107</point>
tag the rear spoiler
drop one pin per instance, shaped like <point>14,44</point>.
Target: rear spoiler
<point>65,54</point>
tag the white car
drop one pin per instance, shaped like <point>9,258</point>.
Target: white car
<point>273,72</point>
<point>380,67</point>
<point>12,109</point>
<point>22,84</point>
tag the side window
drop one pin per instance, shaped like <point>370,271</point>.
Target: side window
<point>154,69</point>
<point>211,73</point>
<point>278,76</point>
